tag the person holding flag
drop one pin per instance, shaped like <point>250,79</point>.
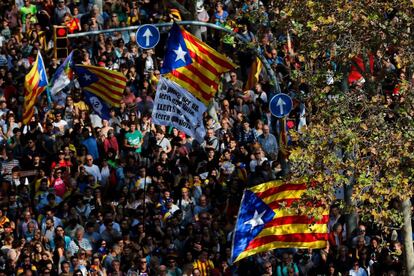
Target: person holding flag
<point>34,85</point>
<point>62,77</point>
<point>102,88</point>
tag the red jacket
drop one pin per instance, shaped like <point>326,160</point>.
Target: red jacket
<point>332,240</point>
<point>111,143</point>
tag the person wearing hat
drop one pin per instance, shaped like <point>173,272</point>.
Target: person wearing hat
<point>202,16</point>
<point>58,184</point>
<point>61,161</point>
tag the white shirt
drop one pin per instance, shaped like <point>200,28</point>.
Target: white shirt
<point>84,243</point>
<point>94,170</point>
<point>254,163</point>
<point>62,125</point>
<point>359,272</point>
<point>164,143</point>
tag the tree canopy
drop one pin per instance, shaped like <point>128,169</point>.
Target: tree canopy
<point>361,131</point>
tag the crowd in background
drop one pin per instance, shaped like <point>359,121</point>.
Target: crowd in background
<point>84,196</point>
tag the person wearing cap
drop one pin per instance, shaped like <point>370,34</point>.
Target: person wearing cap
<point>58,183</point>
<point>60,12</point>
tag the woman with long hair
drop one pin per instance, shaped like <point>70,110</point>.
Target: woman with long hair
<point>38,251</point>
<point>97,268</point>
<point>133,18</point>
<point>10,125</point>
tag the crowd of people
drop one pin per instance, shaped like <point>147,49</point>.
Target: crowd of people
<point>84,196</point>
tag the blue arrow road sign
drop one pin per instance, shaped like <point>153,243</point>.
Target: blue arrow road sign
<point>280,105</point>
<point>147,36</point>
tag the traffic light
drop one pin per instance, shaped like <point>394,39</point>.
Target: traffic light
<point>60,40</point>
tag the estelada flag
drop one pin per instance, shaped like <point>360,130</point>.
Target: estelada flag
<point>194,65</point>
<point>262,225</point>
<point>35,83</point>
<point>108,85</point>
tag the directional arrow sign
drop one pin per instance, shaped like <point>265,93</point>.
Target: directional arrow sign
<point>147,36</point>
<point>280,105</point>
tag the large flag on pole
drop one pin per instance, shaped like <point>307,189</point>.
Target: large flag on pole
<point>35,83</point>
<point>194,65</point>
<point>62,77</point>
<point>108,85</point>
<point>176,107</point>
<point>262,226</point>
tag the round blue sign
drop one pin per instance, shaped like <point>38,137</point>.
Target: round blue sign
<point>147,36</point>
<point>280,105</point>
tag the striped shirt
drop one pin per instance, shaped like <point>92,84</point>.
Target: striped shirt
<point>204,267</point>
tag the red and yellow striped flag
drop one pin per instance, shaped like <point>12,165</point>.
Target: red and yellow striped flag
<point>35,83</point>
<point>262,224</point>
<point>193,64</point>
<point>254,73</point>
<point>107,84</point>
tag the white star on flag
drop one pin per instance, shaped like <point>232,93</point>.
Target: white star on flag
<point>87,77</point>
<point>256,220</point>
<point>180,54</point>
